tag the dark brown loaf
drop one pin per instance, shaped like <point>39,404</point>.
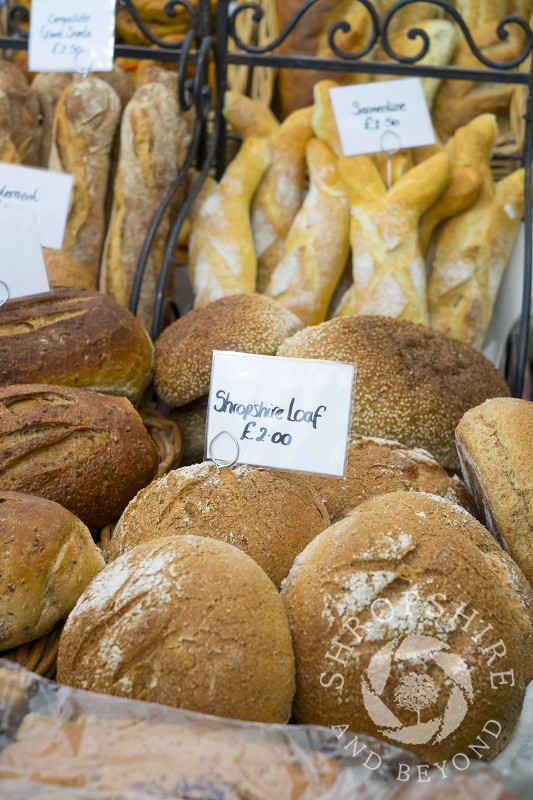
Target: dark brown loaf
<point>89,452</point>
<point>413,384</point>
<point>75,337</point>
<point>48,559</point>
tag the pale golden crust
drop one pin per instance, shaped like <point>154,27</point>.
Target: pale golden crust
<point>413,384</point>
<point>268,514</point>
<point>392,545</point>
<point>48,560</point>
<point>63,270</point>
<point>87,451</point>
<point>170,622</point>
<point>75,337</point>
<point>184,351</point>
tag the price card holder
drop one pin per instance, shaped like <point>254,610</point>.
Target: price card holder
<point>366,112</point>
<point>284,413</point>
<point>66,36</point>
<point>22,269</point>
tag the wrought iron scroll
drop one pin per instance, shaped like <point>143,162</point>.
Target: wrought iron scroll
<point>171,10</point>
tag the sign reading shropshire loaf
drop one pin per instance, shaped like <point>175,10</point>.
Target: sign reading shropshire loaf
<point>71,37</point>
<point>286,413</point>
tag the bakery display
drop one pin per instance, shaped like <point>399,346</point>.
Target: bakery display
<point>394,558</point>
<point>75,337</point>
<point>413,384</point>
<point>269,514</point>
<point>187,601</point>
<point>495,447</point>
<point>86,451</point>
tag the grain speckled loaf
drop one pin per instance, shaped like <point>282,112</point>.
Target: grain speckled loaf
<point>75,337</point>
<point>269,514</point>
<point>184,351</point>
<point>413,384</point>
<point>48,559</point>
<point>87,451</point>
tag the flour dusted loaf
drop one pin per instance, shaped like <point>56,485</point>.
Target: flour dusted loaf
<point>212,622</point>
<point>413,384</point>
<point>75,337</point>
<point>184,351</point>
<point>379,466</point>
<point>495,446</point>
<point>269,514</point>
<point>86,451</point>
<point>434,635</point>
<point>48,560</point>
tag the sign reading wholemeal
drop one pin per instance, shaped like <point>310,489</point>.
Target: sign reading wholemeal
<point>285,413</point>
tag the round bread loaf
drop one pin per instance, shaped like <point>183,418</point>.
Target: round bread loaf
<point>191,420</point>
<point>379,466</point>
<point>75,337</point>
<point>63,270</point>
<point>495,446</point>
<point>413,384</point>
<point>48,559</point>
<point>247,323</point>
<point>403,628</point>
<point>188,622</point>
<point>270,515</point>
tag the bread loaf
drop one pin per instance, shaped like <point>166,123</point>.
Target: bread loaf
<point>8,151</point>
<point>86,451</point>
<point>63,270</point>
<point>47,87</point>
<point>413,384</point>
<point>191,420</point>
<point>267,514</point>
<point>24,111</point>
<point>419,609</point>
<point>494,442</point>
<point>249,117</point>
<point>187,602</point>
<point>184,351</point>
<point>76,337</point>
<point>48,560</point>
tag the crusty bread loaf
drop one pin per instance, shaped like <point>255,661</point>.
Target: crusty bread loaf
<point>187,601</point>
<point>63,270</point>
<point>120,82</point>
<point>191,420</point>
<point>379,466</point>
<point>408,578</point>
<point>249,117</point>
<point>184,351</point>
<point>47,87</point>
<point>24,111</point>
<point>86,451</point>
<point>8,151</point>
<point>75,337</point>
<point>48,560</point>
<point>268,514</point>
<point>413,384</point>
<point>495,446</point>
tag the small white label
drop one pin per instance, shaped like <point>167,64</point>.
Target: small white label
<point>71,36</point>
<point>286,413</point>
<point>382,116</point>
<point>22,268</point>
<point>48,193</point>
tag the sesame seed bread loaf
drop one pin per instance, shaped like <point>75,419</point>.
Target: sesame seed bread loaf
<point>87,451</point>
<point>495,446</point>
<point>48,560</point>
<point>76,337</point>
<point>413,384</point>
<point>188,622</point>
<point>270,515</point>
<point>419,639</point>
<point>379,466</point>
<point>184,351</point>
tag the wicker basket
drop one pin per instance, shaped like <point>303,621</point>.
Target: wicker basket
<point>256,82</point>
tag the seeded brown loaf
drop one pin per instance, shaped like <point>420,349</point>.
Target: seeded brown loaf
<point>414,554</point>
<point>86,451</point>
<point>184,351</point>
<point>379,466</point>
<point>48,560</point>
<point>76,337</point>
<point>191,420</point>
<point>413,384</point>
<point>211,621</point>
<point>495,446</point>
<point>269,514</point>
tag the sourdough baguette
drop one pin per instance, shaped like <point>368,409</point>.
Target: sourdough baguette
<point>86,451</point>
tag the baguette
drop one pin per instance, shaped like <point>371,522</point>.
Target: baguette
<point>8,151</point>
<point>24,112</point>
<point>47,87</point>
<point>248,117</point>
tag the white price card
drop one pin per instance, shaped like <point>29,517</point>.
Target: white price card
<point>382,116</point>
<point>286,413</point>
<point>48,193</point>
<point>71,35</point>
<point>22,269</point>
